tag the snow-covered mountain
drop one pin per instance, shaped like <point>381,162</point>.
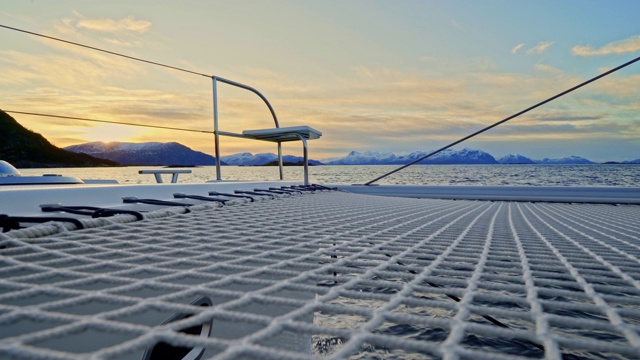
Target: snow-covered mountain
<point>150,153</point>
<point>172,153</point>
<point>364,158</point>
<point>515,159</point>
<point>569,160</point>
<point>247,158</point>
<point>464,156</point>
<point>450,156</point>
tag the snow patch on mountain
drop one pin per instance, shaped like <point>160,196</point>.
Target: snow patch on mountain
<point>365,158</point>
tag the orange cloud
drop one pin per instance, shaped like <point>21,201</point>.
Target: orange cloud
<point>128,23</point>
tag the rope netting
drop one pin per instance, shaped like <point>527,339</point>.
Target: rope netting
<point>330,275</point>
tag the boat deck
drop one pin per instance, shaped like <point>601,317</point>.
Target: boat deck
<point>331,274</point>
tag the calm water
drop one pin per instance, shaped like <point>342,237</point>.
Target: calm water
<point>509,175</point>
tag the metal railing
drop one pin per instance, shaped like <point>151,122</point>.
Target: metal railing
<point>217,131</point>
<point>215,79</point>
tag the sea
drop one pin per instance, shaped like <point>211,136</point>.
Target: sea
<point>616,175</point>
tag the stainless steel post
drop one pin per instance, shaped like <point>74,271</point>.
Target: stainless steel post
<point>280,160</point>
<point>216,136</point>
<point>305,153</point>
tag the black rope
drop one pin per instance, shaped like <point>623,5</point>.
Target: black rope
<point>8,223</point>
<point>107,121</point>
<point>508,118</point>
<point>135,200</point>
<point>215,193</point>
<point>94,212</point>
<point>279,192</point>
<point>106,51</point>
<point>322,187</point>
<point>289,191</point>
<point>198,197</point>
<point>298,188</point>
<point>253,193</point>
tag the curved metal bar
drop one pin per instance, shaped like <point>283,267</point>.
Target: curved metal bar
<point>215,80</point>
<point>253,90</point>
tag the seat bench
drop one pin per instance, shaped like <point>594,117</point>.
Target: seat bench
<point>285,134</point>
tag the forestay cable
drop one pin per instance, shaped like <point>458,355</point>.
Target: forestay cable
<point>507,119</point>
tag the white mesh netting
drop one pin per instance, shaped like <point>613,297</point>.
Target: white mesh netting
<point>332,275</point>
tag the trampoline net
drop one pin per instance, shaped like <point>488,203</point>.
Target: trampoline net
<point>330,275</point>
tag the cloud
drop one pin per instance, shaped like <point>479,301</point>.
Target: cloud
<point>65,71</point>
<point>540,48</point>
<point>123,43</point>
<point>517,47</point>
<point>585,131</point>
<point>547,68</point>
<point>569,117</point>
<point>629,45</point>
<point>128,23</point>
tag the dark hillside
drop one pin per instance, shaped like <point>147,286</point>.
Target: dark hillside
<point>26,149</point>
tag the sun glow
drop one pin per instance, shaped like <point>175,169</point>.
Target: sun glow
<point>112,132</point>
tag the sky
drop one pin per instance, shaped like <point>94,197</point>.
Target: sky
<point>388,76</point>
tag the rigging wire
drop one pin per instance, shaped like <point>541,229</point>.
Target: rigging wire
<point>106,51</point>
<point>108,121</point>
<point>508,118</point>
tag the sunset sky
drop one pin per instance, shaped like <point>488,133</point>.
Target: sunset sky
<point>391,76</point>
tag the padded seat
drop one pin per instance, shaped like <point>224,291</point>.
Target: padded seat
<point>283,134</point>
<point>291,133</point>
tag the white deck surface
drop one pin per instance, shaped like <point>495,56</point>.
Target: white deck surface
<point>332,275</point>
<point>576,194</point>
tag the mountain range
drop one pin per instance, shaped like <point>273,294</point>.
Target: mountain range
<point>148,154</point>
<point>172,153</point>
<point>24,148</point>
<point>449,156</point>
